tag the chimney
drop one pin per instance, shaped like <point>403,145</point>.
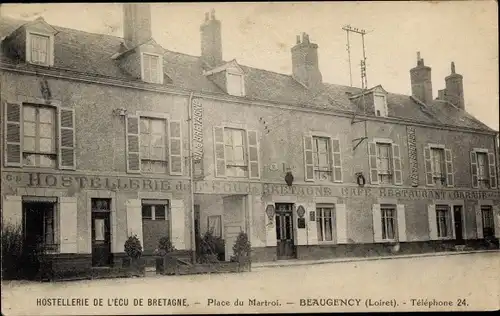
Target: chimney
<point>421,84</point>
<point>455,89</point>
<point>305,67</point>
<point>136,23</point>
<point>211,40</point>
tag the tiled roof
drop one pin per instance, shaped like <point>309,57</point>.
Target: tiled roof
<point>91,53</point>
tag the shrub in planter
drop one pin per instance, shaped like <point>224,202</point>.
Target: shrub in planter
<point>242,251</point>
<point>12,251</point>
<point>133,249</point>
<point>212,248</point>
<point>165,264</point>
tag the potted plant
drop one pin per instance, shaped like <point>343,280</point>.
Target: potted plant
<point>165,263</point>
<point>211,248</point>
<point>133,249</point>
<point>242,252</point>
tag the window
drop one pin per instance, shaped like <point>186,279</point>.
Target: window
<point>235,153</point>
<point>156,223</point>
<point>488,222</point>
<point>384,162</point>
<point>153,145</point>
<point>152,69</point>
<point>40,224</point>
<point>39,136</point>
<point>215,225</point>
<point>438,166</point>
<point>101,204</point>
<point>321,158</point>
<point>40,48</point>
<point>380,105</point>
<point>325,223</point>
<point>235,84</point>
<point>443,221</point>
<point>388,214</point>
<point>155,212</point>
<point>482,170</point>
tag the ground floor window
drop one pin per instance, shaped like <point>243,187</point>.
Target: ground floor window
<point>215,225</point>
<point>443,221</point>
<point>155,222</point>
<point>388,214</point>
<point>40,225</point>
<point>488,222</point>
<point>325,222</point>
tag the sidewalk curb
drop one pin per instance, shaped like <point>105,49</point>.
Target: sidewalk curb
<point>274,264</point>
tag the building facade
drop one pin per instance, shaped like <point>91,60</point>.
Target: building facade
<point>107,137</point>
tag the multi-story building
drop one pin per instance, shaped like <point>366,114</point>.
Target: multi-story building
<point>101,133</point>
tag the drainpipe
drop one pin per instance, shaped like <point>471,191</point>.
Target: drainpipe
<point>191,177</point>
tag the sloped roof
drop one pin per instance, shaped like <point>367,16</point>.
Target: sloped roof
<point>91,53</point>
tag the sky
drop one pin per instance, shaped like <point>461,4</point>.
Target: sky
<point>261,35</point>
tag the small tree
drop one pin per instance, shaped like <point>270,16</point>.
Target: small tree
<point>133,247</point>
<point>164,246</point>
<point>211,248</point>
<point>242,248</point>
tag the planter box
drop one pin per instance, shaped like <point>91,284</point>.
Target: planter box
<point>135,267</point>
<point>167,265</point>
<point>220,267</point>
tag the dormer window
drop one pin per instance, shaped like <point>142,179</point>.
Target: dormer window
<point>380,104</point>
<point>235,84</point>
<point>152,68</point>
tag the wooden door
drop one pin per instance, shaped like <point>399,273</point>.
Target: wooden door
<point>284,232</point>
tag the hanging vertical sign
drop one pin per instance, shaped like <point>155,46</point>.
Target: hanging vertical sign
<point>197,130</point>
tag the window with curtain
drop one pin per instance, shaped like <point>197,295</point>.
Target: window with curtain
<point>443,221</point>
<point>388,214</point>
<point>322,158</point>
<point>39,136</point>
<point>325,223</point>
<point>235,147</point>
<point>153,145</point>
<point>384,162</point>
<point>215,225</point>
<point>438,165</point>
<point>39,49</point>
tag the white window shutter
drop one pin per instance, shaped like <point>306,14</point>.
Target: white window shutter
<point>68,229</point>
<point>473,168</point>
<point>12,212</point>
<point>401,218</point>
<point>431,214</point>
<point>308,158</point>
<point>396,160</point>
<point>253,154</point>
<point>219,152</point>
<point>377,223</point>
<point>67,138</point>
<point>13,134</point>
<point>178,224</point>
<point>270,229</point>
<point>429,176</point>
<point>450,175</point>
<point>134,219</point>
<point>175,148</point>
<point>312,227</point>
<point>496,220</point>
<point>341,223</point>
<point>132,128</point>
<point>372,161</point>
<point>493,171</point>
<point>336,159</point>
<point>479,222</point>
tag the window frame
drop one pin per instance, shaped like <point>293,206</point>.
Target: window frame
<point>153,211</point>
<point>384,224</point>
<point>384,111</point>
<point>390,173</point>
<point>432,149</point>
<point>159,65</point>
<point>448,221</point>
<point>165,147</point>
<point>315,152</point>
<point>50,47</point>
<point>241,90</point>
<point>320,208</point>
<point>245,166</point>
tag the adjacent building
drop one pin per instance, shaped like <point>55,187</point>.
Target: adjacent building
<point>105,137</point>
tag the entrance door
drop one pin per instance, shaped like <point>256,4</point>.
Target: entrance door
<point>284,231</point>
<point>457,215</point>
<point>101,233</point>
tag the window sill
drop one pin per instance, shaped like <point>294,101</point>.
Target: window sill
<point>445,238</point>
<point>327,243</point>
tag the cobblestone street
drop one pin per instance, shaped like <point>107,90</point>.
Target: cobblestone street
<point>457,282</point>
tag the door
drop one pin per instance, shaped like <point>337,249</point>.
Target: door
<point>284,231</point>
<point>457,215</point>
<point>101,239</point>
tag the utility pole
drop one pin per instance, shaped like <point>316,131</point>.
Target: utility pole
<point>348,28</point>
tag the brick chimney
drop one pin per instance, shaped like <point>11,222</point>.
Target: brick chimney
<point>136,23</point>
<point>211,40</point>
<point>305,67</point>
<point>454,92</point>
<point>421,84</point>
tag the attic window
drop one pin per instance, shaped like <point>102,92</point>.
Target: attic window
<point>39,49</point>
<point>235,84</point>
<point>152,68</point>
<point>380,104</point>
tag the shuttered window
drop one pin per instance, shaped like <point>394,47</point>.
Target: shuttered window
<point>439,166</point>
<point>388,215</point>
<point>39,49</point>
<point>152,69</point>
<point>39,136</point>
<point>325,221</point>
<point>322,159</point>
<point>385,163</point>
<point>153,142</point>
<point>483,169</point>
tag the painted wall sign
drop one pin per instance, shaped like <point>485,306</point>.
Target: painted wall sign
<point>197,129</point>
<point>127,183</point>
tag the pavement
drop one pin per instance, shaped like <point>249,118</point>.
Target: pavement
<point>299,262</point>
